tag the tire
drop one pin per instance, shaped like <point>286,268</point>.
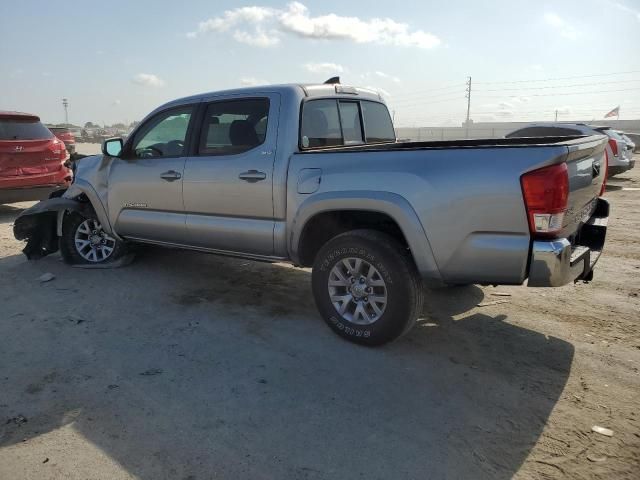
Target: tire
<point>107,250</point>
<point>364,320</point>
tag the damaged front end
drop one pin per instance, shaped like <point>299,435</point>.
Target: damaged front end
<point>41,225</point>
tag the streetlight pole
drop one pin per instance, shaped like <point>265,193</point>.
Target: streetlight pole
<point>65,104</point>
<point>468,95</point>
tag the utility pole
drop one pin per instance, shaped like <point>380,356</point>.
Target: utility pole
<point>556,115</point>
<point>468,96</point>
<point>65,104</point>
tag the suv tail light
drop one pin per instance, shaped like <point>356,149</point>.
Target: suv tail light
<point>614,146</point>
<point>56,151</point>
<point>606,173</point>
<point>546,195</point>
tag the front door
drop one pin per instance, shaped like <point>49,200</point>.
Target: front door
<point>145,186</point>
<point>228,182</point>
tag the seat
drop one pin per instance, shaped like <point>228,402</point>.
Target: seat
<point>242,133</point>
<point>316,123</point>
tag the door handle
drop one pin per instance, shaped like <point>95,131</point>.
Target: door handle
<point>170,176</point>
<point>252,176</point>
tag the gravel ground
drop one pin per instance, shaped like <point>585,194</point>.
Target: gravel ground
<point>191,366</point>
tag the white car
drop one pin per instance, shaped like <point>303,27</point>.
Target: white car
<point>631,145</point>
<point>620,159</point>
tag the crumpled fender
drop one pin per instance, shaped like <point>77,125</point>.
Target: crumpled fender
<point>41,224</point>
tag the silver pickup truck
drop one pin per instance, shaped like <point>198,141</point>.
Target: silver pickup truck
<point>313,175</point>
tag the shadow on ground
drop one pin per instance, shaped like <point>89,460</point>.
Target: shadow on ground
<point>185,365</point>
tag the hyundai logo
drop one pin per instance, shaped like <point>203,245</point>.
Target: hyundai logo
<point>18,148</point>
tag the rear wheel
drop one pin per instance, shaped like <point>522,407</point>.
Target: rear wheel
<point>85,241</point>
<point>366,287</point>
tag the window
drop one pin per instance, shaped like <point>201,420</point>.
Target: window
<point>327,123</point>
<point>351,126</point>
<point>234,126</point>
<point>18,129</point>
<point>377,123</point>
<point>321,124</point>
<point>164,135</point>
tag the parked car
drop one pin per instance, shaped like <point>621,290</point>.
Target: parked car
<point>618,159</point>
<point>635,139</point>
<point>66,135</point>
<point>32,159</point>
<point>631,145</point>
<point>313,175</point>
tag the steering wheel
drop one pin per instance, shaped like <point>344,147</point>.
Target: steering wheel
<point>150,149</point>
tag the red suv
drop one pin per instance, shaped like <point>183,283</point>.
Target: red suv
<point>33,162</point>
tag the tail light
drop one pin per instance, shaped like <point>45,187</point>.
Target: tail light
<point>614,146</point>
<point>56,151</point>
<point>546,195</point>
<point>606,173</point>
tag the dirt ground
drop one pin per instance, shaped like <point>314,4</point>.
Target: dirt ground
<point>191,366</point>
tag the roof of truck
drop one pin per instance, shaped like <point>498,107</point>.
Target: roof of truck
<point>307,90</point>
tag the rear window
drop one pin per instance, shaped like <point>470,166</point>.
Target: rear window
<point>332,122</point>
<point>377,123</point>
<point>15,129</point>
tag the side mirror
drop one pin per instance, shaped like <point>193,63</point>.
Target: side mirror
<point>112,147</point>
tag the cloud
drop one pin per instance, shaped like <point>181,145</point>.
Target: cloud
<point>323,67</point>
<point>386,76</point>
<point>147,80</point>
<point>258,38</point>
<point>561,25</point>
<point>270,24</point>
<point>252,81</point>
<point>626,9</point>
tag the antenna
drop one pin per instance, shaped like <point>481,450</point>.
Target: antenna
<point>332,81</point>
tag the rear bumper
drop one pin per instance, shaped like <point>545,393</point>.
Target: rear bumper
<point>617,169</point>
<point>558,262</point>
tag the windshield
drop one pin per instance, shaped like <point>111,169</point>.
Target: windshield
<point>23,130</point>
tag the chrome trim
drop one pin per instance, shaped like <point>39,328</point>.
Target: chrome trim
<point>550,263</point>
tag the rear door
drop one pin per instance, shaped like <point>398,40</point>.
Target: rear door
<point>145,186</point>
<point>228,182</point>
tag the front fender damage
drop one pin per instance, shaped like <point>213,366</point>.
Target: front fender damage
<point>38,225</point>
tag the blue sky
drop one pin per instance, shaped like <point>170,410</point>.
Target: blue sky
<point>117,62</point>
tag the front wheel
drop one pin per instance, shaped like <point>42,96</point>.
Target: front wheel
<point>366,287</point>
<point>84,241</point>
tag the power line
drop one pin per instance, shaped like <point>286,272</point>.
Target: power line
<point>561,78</point>
<point>408,103</point>
<point>564,93</point>
<point>559,86</point>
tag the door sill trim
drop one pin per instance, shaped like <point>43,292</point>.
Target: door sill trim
<point>226,253</point>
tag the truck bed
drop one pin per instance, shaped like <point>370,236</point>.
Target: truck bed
<point>475,143</point>
<point>467,195</point>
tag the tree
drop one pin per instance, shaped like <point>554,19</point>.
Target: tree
<point>91,125</point>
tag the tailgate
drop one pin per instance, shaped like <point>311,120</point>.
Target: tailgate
<point>587,169</point>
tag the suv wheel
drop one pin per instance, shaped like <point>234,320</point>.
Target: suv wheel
<point>366,287</point>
